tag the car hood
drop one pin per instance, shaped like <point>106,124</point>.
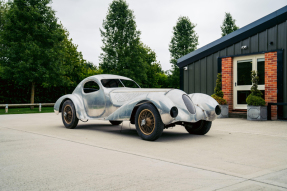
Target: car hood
<point>123,95</point>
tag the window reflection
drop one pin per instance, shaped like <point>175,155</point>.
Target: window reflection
<point>261,70</point>
<point>244,69</point>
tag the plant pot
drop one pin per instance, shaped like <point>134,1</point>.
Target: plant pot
<point>256,113</point>
<point>224,111</point>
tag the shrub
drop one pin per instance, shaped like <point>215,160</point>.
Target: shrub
<point>218,94</point>
<point>220,100</point>
<point>255,97</point>
<point>255,100</point>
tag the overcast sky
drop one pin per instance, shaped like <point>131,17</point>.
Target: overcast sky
<point>156,18</point>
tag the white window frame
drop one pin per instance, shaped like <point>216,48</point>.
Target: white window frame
<point>244,87</point>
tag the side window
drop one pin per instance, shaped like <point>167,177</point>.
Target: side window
<point>91,86</point>
<point>111,83</point>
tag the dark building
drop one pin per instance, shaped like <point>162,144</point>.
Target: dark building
<point>261,46</point>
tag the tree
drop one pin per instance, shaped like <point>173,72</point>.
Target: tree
<point>153,68</point>
<point>255,98</point>
<point>74,65</point>
<point>228,25</point>
<point>184,41</point>
<point>123,53</point>
<point>3,10</point>
<point>218,93</point>
<point>31,44</point>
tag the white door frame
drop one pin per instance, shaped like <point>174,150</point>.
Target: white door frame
<point>244,87</point>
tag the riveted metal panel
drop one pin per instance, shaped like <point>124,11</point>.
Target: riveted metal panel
<point>191,78</point>
<point>263,41</point>
<point>197,83</point>
<point>230,50</point>
<point>272,38</point>
<point>254,43</point>
<point>246,43</point>
<point>209,77</point>
<point>237,48</point>
<point>203,75</point>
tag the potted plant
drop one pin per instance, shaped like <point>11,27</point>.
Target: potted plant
<point>218,96</point>
<point>256,109</point>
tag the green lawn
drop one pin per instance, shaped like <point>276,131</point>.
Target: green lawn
<point>26,110</point>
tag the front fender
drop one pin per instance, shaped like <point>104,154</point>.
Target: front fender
<point>80,109</point>
<point>159,100</point>
<point>206,103</point>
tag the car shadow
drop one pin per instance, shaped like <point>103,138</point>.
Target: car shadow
<point>130,131</point>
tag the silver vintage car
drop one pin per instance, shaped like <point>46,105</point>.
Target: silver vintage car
<point>117,99</point>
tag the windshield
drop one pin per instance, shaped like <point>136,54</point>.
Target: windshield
<point>118,83</point>
<point>129,84</point>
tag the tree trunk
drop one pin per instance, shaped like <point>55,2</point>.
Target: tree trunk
<point>32,94</point>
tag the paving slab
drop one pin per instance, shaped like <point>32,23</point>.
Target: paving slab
<point>38,153</point>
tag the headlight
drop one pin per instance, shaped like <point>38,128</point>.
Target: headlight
<point>217,110</point>
<point>173,112</point>
<point>189,104</point>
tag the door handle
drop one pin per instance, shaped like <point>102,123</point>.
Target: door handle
<point>235,84</point>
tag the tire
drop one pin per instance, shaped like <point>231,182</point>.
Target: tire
<point>148,122</point>
<point>199,128</point>
<point>116,122</point>
<point>69,117</point>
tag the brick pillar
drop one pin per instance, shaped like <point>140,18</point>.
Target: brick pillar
<point>271,81</point>
<point>227,81</point>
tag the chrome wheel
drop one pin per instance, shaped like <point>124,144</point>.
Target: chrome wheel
<point>146,122</point>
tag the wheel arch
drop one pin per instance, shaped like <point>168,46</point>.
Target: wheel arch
<point>62,103</point>
<point>134,111</point>
<point>78,104</point>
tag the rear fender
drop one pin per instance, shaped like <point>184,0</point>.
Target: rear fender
<point>80,109</point>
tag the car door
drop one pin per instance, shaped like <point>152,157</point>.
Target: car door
<point>94,99</point>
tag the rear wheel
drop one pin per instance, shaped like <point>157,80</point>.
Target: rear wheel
<point>148,122</point>
<point>116,122</point>
<point>69,117</point>
<point>198,128</point>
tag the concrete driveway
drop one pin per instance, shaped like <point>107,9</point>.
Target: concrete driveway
<point>38,153</point>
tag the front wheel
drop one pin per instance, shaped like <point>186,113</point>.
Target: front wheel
<point>148,122</point>
<point>69,117</point>
<point>198,128</point>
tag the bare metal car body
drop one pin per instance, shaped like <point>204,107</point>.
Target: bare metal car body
<point>121,103</point>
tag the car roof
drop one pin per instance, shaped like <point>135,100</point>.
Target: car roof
<point>109,76</point>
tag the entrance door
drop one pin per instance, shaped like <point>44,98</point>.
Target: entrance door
<point>242,67</point>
